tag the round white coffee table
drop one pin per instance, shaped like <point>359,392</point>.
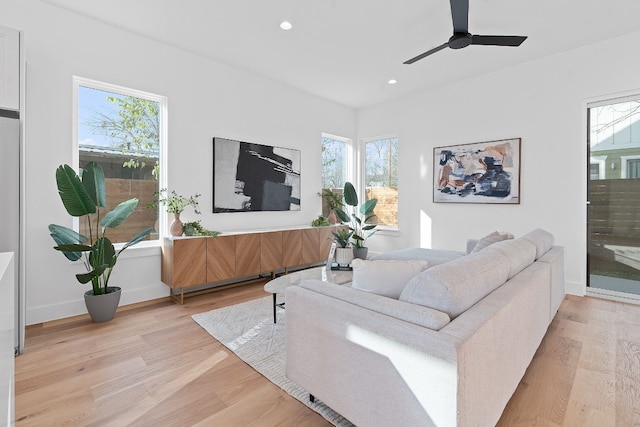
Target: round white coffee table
<point>279,284</point>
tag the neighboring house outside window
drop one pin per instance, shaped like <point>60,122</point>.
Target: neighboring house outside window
<point>122,130</point>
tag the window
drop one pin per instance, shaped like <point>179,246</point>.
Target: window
<point>630,166</point>
<point>122,130</point>
<point>381,178</point>
<point>633,168</point>
<point>336,166</point>
<point>335,161</point>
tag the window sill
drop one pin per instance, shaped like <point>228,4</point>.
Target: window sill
<point>142,249</point>
<point>388,231</point>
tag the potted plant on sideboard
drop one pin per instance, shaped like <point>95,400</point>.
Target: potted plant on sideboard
<point>175,203</point>
<point>84,198</point>
<point>334,201</point>
<point>358,219</point>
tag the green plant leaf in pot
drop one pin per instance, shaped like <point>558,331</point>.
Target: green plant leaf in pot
<point>93,181</point>
<point>74,196</point>
<point>65,236</point>
<point>119,214</point>
<point>350,195</point>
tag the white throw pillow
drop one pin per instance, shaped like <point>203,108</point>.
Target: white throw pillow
<point>490,239</point>
<point>385,277</point>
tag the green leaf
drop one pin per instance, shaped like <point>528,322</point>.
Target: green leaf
<point>87,277</point>
<point>369,227</point>
<point>137,238</point>
<point>93,182</point>
<point>102,253</point>
<point>350,195</point>
<point>344,217</point>
<point>65,236</point>
<point>74,196</point>
<point>73,248</point>
<point>367,207</point>
<point>119,214</point>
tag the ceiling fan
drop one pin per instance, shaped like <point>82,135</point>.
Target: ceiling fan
<point>461,37</point>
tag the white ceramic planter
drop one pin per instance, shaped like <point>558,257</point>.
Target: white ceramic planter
<point>344,256</point>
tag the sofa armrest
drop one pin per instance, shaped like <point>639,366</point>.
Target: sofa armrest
<point>350,357</point>
<point>555,258</point>
<point>408,312</point>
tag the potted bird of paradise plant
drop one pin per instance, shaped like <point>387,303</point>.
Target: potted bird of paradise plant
<point>358,219</point>
<point>85,197</point>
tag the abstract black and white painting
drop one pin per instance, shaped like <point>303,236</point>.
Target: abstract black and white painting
<point>254,177</point>
<point>484,172</point>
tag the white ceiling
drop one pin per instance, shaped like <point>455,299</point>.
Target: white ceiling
<point>347,50</point>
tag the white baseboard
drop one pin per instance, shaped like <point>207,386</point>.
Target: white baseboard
<point>73,308</point>
<point>578,289</point>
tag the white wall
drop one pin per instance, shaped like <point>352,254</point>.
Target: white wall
<point>205,99</point>
<point>544,103</point>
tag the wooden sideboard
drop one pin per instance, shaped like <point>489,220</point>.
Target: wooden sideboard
<point>189,262</point>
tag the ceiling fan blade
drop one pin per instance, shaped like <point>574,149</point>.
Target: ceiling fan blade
<point>460,15</point>
<point>497,40</point>
<point>427,53</point>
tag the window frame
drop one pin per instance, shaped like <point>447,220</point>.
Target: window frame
<point>163,149</point>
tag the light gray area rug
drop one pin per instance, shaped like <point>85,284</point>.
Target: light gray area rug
<point>248,330</point>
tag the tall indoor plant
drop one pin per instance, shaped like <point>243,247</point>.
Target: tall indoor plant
<point>358,219</point>
<point>83,197</point>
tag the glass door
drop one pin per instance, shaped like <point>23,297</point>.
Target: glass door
<point>613,213</point>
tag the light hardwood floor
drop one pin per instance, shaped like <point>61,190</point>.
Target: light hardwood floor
<point>154,366</point>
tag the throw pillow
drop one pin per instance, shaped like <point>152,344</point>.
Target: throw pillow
<point>385,277</point>
<point>543,240</point>
<point>491,238</point>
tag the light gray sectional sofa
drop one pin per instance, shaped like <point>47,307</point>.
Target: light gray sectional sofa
<point>450,351</point>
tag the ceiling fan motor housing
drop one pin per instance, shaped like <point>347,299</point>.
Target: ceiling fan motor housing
<point>460,40</point>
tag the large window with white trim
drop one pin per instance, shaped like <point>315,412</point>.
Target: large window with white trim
<point>380,175</point>
<point>122,129</point>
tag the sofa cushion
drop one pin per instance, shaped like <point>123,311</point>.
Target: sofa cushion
<point>457,285</point>
<point>520,253</point>
<point>432,256</point>
<point>490,239</point>
<point>413,313</point>
<point>385,277</point>
<point>543,240</point>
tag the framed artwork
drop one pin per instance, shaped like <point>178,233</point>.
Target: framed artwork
<point>253,177</point>
<point>483,172</point>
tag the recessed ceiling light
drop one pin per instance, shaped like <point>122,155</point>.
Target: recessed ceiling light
<point>286,25</point>
<point>392,81</point>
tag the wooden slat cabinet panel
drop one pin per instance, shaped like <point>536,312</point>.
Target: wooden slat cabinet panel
<point>221,258</point>
<point>310,245</point>
<point>248,254</point>
<point>189,262</point>
<point>271,251</point>
<point>187,265</point>
<point>291,248</point>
